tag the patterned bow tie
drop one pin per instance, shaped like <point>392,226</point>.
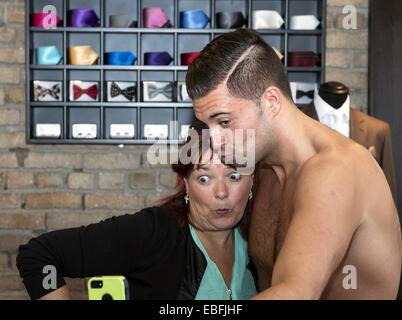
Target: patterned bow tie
<point>41,92</point>
<point>301,94</point>
<point>91,91</point>
<point>129,92</point>
<point>167,91</point>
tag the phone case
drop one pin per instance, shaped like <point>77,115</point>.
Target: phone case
<point>108,288</point>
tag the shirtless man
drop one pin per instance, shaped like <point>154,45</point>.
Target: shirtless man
<point>323,211</point>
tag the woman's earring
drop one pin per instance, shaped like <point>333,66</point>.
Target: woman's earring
<point>250,195</point>
<point>186,198</point>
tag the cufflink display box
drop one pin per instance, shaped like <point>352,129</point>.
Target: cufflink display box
<point>120,123</point>
<point>47,123</point>
<point>84,123</point>
<point>155,123</point>
<point>185,118</point>
<point>120,118</point>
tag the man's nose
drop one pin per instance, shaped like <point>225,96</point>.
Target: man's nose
<point>221,190</point>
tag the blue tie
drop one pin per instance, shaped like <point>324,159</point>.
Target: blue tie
<point>193,19</point>
<point>48,55</point>
<point>120,58</point>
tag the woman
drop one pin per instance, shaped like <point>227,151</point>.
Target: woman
<point>189,247</point>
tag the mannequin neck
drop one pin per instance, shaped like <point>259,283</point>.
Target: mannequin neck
<point>334,100</point>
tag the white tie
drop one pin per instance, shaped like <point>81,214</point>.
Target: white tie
<point>305,22</point>
<point>267,19</point>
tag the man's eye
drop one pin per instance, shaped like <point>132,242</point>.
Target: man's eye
<point>203,179</point>
<point>235,176</point>
<point>224,123</point>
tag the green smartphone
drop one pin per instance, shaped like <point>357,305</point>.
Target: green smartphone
<point>108,288</point>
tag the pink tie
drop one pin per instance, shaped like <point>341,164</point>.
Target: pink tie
<point>155,17</point>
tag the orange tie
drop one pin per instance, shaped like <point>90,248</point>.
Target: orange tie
<point>82,55</point>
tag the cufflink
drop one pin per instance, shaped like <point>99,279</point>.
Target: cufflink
<point>154,131</point>
<point>47,130</point>
<point>122,131</point>
<point>84,131</point>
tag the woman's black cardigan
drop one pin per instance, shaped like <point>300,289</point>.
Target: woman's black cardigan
<point>158,258</point>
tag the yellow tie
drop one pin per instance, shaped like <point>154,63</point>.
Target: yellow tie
<point>82,55</point>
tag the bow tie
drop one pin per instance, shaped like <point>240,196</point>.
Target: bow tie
<point>301,94</point>
<point>167,91</point>
<point>91,91</point>
<point>129,92</point>
<point>41,92</point>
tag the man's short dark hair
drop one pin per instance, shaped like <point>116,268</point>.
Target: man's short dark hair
<point>244,60</point>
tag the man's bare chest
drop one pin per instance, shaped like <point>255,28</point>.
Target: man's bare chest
<point>270,219</point>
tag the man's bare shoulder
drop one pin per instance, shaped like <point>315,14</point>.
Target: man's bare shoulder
<point>341,159</point>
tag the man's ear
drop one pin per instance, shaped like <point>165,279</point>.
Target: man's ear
<point>272,101</point>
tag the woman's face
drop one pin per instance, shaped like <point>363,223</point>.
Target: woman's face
<point>218,195</point>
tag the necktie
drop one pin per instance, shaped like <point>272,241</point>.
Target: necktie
<point>129,92</point>
<point>188,57</point>
<point>157,58</point>
<point>302,59</point>
<point>155,17</point>
<point>193,19</point>
<point>48,55</point>
<point>300,94</point>
<point>122,21</point>
<point>167,91</point>
<point>91,91</point>
<point>82,55</point>
<point>45,19</point>
<point>120,58</point>
<point>82,18</point>
<point>304,22</point>
<point>267,19</point>
<point>230,20</point>
<point>40,92</point>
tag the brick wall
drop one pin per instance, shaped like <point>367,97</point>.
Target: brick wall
<point>51,187</point>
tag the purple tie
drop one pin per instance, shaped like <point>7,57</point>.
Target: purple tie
<point>155,17</point>
<point>157,58</point>
<point>82,18</point>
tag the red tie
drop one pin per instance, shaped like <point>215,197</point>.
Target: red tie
<point>189,57</point>
<point>91,91</point>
